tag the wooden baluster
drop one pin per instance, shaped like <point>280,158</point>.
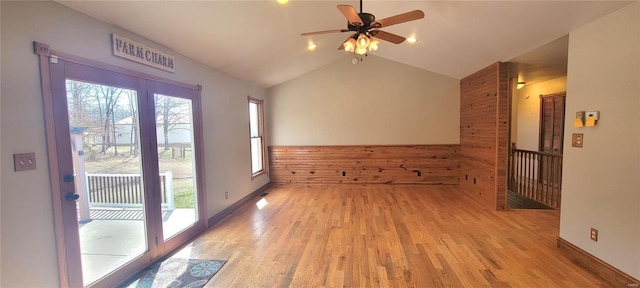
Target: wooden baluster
<point>103,197</point>
<point>163,190</point>
<point>520,173</point>
<point>547,171</point>
<point>529,175</point>
<point>116,190</point>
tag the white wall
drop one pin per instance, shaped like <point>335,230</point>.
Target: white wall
<point>1,150</point>
<point>526,107</point>
<point>601,182</point>
<point>27,236</point>
<point>377,101</point>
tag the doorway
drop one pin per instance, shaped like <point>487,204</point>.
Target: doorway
<point>128,158</point>
<point>535,176</point>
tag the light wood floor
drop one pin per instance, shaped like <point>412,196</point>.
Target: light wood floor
<point>385,236</point>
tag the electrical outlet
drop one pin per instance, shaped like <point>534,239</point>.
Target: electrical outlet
<point>24,161</point>
<point>226,195</point>
<point>594,234</point>
<point>576,140</point>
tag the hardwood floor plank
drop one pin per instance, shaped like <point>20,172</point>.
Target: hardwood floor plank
<point>386,236</point>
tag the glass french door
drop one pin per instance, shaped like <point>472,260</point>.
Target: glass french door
<point>109,181</point>
<point>177,118</point>
<point>176,161</point>
<point>127,151</point>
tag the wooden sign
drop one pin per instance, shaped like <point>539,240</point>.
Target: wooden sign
<point>138,52</point>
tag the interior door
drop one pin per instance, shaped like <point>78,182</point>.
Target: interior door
<point>552,123</point>
<point>124,202</point>
<point>551,137</point>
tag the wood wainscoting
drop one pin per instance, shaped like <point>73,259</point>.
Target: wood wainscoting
<point>376,164</point>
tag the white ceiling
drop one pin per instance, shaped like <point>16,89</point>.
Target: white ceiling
<point>260,42</point>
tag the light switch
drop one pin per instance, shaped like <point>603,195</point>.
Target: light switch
<point>24,161</point>
<point>579,121</point>
<point>592,118</point>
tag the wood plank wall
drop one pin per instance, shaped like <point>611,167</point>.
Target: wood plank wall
<point>393,164</point>
<point>503,118</point>
<point>484,128</point>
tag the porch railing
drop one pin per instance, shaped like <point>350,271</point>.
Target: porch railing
<point>125,190</point>
<point>537,176</point>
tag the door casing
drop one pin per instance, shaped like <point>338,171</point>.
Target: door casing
<point>55,68</point>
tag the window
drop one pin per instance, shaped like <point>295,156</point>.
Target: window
<point>257,141</point>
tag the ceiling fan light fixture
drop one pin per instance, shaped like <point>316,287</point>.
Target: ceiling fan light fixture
<point>412,40</point>
<point>373,46</point>
<point>365,25</point>
<point>363,41</point>
<point>349,45</point>
<point>312,46</point>
<point>282,1</point>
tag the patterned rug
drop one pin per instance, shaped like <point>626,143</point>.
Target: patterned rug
<point>176,272</point>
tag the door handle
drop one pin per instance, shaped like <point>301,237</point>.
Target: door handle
<point>68,178</point>
<point>71,196</point>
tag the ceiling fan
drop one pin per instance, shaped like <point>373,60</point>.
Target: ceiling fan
<point>367,29</point>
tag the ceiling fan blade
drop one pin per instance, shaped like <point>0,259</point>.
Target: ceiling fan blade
<point>350,13</point>
<point>400,18</point>
<point>324,32</point>
<point>386,36</point>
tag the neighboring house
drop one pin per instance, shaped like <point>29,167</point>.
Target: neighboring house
<point>178,134</point>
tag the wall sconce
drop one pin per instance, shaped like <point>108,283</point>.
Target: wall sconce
<point>520,85</point>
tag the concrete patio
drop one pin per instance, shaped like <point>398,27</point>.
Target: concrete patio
<point>116,236</point>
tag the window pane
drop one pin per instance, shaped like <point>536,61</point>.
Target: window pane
<point>105,139</point>
<point>253,119</point>
<point>176,160</point>
<point>256,155</point>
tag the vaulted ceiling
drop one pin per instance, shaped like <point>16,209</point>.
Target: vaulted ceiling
<point>260,42</point>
